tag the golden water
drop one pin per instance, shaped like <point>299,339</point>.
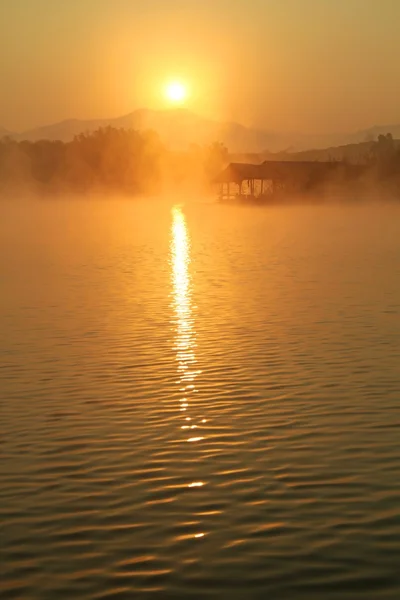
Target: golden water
<point>199,401</point>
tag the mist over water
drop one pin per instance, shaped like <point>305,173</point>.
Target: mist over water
<point>199,401</point>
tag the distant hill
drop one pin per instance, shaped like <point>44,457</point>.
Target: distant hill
<point>180,128</point>
<point>371,134</point>
<point>4,132</point>
<point>352,153</point>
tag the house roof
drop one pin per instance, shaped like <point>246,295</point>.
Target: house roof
<point>238,172</point>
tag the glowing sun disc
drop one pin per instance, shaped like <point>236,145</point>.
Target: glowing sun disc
<point>176,92</point>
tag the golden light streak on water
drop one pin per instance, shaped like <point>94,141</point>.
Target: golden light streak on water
<point>185,334</point>
<point>185,331</point>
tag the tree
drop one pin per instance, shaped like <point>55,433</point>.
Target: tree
<point>216,157</point>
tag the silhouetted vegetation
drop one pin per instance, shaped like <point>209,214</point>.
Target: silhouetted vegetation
<point>135,162</point>
<point>107,159</point>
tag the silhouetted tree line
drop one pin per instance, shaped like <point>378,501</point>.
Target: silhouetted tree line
<point>385,157</point>
<point>107,159</point>
<point>139,163</point>
<point>382,165</point>
<point>378,170</point>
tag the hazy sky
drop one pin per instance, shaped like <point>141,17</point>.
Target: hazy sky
<point>298,65</point>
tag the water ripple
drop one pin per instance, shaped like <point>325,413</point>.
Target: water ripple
<point>200,402</point>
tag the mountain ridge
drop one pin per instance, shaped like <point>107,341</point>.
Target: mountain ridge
<point>180,128</point>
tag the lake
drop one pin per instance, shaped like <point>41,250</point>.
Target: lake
<point>199,401</point>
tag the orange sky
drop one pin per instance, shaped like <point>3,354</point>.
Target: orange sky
<point>298,65</point>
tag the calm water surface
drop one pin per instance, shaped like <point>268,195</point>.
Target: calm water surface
<point>199,401</point>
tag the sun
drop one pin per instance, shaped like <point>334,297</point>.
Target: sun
<point>176,92</point>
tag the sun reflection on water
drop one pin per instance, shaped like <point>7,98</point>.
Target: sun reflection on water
<point>185,332</point>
